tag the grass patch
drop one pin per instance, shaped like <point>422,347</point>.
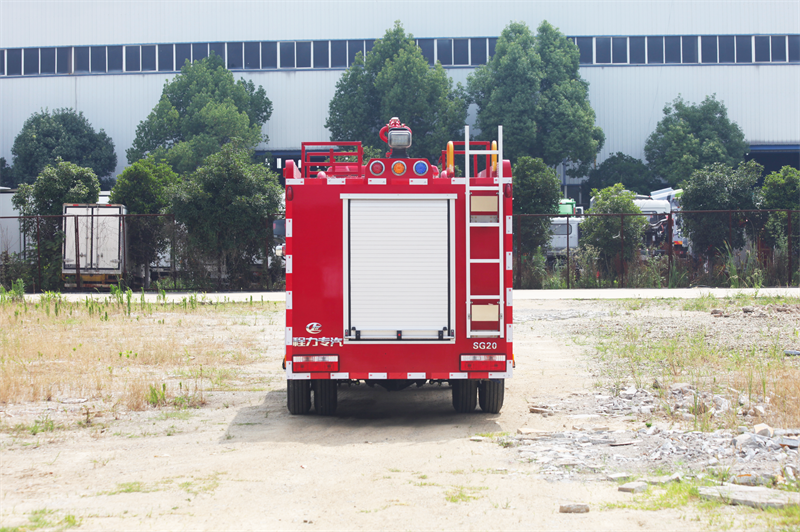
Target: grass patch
<point>45,518</point>
<point>199,485</point>
<point>458,494</point>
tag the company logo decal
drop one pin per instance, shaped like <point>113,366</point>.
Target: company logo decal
<point>313,328</point>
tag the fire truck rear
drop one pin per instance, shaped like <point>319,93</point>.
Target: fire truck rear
<point>397,273</point>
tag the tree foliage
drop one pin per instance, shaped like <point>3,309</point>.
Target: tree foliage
<point>603,232</point>
<point>200,110</point>
<point>394,79</point>
<point>718,187</point>
<point>781,190</point>
<point>532,87</point>
<point>691,137</point>
<point>224,206</point>
<point>62,134</point>
<point>620,168</point>
<point>537,190</point>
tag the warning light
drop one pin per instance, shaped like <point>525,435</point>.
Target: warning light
<point>399,168</point>
<point>420,168</point>
<point>376,167</point>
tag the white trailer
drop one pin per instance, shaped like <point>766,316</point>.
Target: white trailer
<point>98,242</point>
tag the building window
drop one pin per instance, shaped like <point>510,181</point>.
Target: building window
<point>744,50</point>
<point>48,61</point>
<point>98,58</point>
<point>115,58</point>
<point>14,60</point>
<point>779,49</point>
<point>2,62</point>
<point>708,49</point>
<point>199,51</point>
<point>762,49</point>
<point>218,48</point>
<point>655,50</point>
<point>166,58</point>
<point>321,59</point>
<point>794,48</point>
<point>303,50</point>
<point>338,54</point>
<point>252,56</point>
<point>672,49</point>
<point>727,50</point>
<point>183,53</point>
<point>444,51</point>
<point>368,45</point>
<point>460,51</point>
<point>689,49</point>
<point>82,58</point>
<point>287,54</point>
<point>148,58</point>
<point>63,60</point>
<point>235,60</point>
<point>492,45</point>
<point>637,51</point>
<point>478,51</point>
<point>619,50</point>
<point>602,50</point>
<point>31,64</point>
<point>269,55</point>
<point>132,60</point>
<point>353,47</point>
<point>586,50</point>
<point>426,47</point>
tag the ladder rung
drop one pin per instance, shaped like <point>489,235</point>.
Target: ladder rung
<point>494,188</point>
<point>485,297</point>
<point>487,224</point>
<point>484,261</point>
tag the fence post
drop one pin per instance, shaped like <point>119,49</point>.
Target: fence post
<point>669,247</point>
<point>622,249</point>
<point>791,276</point>
<point>569,268</point>
<point>172,257</point>
<point>78,280</point>
<point>730,231</point>
<point>39,251</point>
<point>125,252</point>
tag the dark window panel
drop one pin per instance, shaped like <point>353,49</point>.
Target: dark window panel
<point>444,51</point>
<point>14,62</point>
<point>368,45</point>
<point>235,56</point>
<point>794,48</point>
<point>744,49</point>
<point>64,60</point>
<point>672,49</point>
<point>303,51</point>
<point>98,58</point>
<point>82,59</point>
<point>478,49</point>
<point>218,48</point>
<point>287,54</point>
<point>655,50</point>
<point>492,45</point>
<point>689,48</point>
<point>708,49</point>
<point>762,49</point>
<point>586,49</point>
<point>619,50</point>
<point>148,58</point>
<point>132,62</point>
<point>321,54</point>
<point>602,50</point>
<point>727,49</point>
<point>166,58</point>
<point>353,47</point>
<point>637,51</point>
<point>338,54</point>
<point>199,51</point>
<point>426,47</point>
<point>460,51</point>
<point>252,57</point>
<point>269,55</point>
<point>48,61</point>
<point>183,53</point>
<point>2,62</point>
<point>114,58</point>
<point>31,61</point>
<point>779,48</point>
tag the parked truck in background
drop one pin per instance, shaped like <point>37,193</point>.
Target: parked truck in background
<point>93,252</point>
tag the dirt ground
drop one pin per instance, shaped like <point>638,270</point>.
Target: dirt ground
<point>400,460</point>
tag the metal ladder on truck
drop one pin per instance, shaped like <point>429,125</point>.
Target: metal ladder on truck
<point>498,189</point>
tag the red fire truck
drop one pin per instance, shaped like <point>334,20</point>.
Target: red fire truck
<point>397,273</point>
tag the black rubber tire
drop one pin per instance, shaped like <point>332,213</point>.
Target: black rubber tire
<point>465,395</point>
<point>491,394</point>
<point>325,397</point>
<point>298,397</point>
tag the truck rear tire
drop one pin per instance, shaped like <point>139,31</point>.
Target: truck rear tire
<point>491,394</point>
<point>298,397</point>
<point>465,395</point>
<point>325,397</point>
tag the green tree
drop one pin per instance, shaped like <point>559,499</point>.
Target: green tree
<point>620,168</point>
<point>63,134</point>
<point>537,190</point>
<point>718,187</point>
<point>781,190</point>
<point>394,79</point>
<point>603,232</point>
<point>200,110</point>
<point>532,87</point>
<point>64,182</point>
<point>143,188</point>
<point>691,137</point>
<point>225,206</point>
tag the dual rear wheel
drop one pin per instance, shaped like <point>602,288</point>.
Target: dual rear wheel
<point>467,394</point>
<point>298,397</point>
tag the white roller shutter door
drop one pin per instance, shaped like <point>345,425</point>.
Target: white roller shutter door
<point>399,262</point>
